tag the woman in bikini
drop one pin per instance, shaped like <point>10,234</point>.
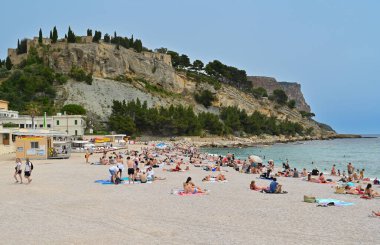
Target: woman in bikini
<point>189,187</point>
<point>310,179</point>
<point>370,192</point>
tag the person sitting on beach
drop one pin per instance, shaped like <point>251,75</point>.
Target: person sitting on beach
<point>304,172</point>
<point>338,172</point>
<point>189,187</point>
<point>333,171</point>
<point>355,176</point>
<point>254,187</point>
<point>370,192</point>
<point>310,179</point>
<point>274,187</point>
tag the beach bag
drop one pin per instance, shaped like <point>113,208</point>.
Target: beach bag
<point>340,190</point>
<point>309,199</point>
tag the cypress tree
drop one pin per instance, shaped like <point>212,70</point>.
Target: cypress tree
<point>70,36</point>
<point>8,63</point>
<point>40,36</point>
<point>51,36</point>
<point>89,32</point>
<point>55,35</point>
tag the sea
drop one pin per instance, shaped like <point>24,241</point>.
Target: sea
<point>363,153</point>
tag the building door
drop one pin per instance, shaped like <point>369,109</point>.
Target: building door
<point>5,139</point>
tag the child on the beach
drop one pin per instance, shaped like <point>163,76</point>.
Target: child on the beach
<point>18,170</point>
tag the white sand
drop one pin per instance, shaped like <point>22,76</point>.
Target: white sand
<point>63,205</point>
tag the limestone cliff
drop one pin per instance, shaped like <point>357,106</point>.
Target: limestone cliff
<point>293,90</point>
<point>122,74</point>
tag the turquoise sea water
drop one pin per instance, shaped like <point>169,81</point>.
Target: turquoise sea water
<point>362,153</point>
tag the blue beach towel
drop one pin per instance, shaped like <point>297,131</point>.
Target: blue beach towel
<point>325,201</point>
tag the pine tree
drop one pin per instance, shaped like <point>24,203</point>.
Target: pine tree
<point>89,32</point>
<point>8,63</point>
<point>107,38</point>
<point>55,35</point>
<point>40,36</point>
<point>137,45</point>
<point>131,41</point>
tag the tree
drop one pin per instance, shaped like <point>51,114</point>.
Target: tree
<point>205,98</point>
<point>71,36</point>
<point>198,65</point>
<point>97,36</point>
<point>33,110</point>
<point>40,36</point>
<point>161,50</point>
<point>137,45</point>
<point>175,58</point>
<point>279,96</point>
<point>55,35</point>
<point>89,32</point>
<point>184,61</point>
<point>259,92</point>
<point>8,63</point>
<point>51,35</point>
<point>292,104</point>
<point>22,47</point>
<point>73,109</point>
<point>107,38</point>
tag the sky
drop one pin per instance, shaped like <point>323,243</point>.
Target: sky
<point>330,47</point>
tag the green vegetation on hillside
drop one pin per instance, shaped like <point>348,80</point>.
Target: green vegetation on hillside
<point>33,83</point>
<point>73,109</point>
<point>136,118</point>
<point>205,97</point>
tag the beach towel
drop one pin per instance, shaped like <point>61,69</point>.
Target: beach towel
<point>334,202</point>
<point>181,192</point>
<point>124,182</point>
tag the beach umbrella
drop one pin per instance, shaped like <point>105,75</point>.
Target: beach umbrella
<point>256,159</point>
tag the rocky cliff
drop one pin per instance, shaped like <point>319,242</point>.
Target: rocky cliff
<point>293,90</point>
<point>122,74</point>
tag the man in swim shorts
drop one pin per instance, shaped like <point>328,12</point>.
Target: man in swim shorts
<point>131,170</point>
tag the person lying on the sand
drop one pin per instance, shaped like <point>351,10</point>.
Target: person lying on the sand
<point>353,190</point>
<point>189,187</point>
<point>310,179</point>
<point>219,177</point>
<point>255,187</point>
<point>376,213</point>
<point>322,178</point>
<point>370,192</point>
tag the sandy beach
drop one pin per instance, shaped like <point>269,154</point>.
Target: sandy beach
<point>63,205</point>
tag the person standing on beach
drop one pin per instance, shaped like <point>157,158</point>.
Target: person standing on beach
<point>350,169</point>
<point>131,170</point>
<point>28,170</point>
<point>87,156</point>
<point>18,170</point>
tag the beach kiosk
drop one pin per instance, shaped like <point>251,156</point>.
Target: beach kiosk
<point>39,144</point>
<point>118,139</point>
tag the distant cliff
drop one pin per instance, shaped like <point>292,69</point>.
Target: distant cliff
<point>293,90</point>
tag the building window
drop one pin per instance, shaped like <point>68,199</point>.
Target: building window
<point>22,125</point>
<point>48,126</point>
<point>34,145</point>
<point>57,122</point>
<point>76,132</point>
<point>41,125</point>
<point>76,122</point>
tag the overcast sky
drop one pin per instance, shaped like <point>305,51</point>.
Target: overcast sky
<point>330,47</point>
